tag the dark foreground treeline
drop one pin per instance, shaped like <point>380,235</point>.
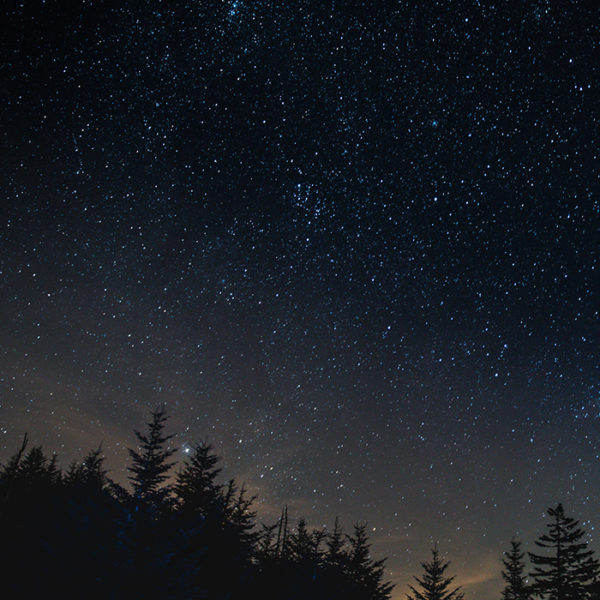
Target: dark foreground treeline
<point>78,534</point>
<point>566,569</point>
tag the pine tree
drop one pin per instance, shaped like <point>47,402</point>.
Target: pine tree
<point>37,470</point>
<point>148,539</point>
<point>304,547</point>
<point>9,475</point>
<point>240,515</point>
<point>334,555</point>
<point>366,573</point>
<point>35,533</point>
<point>301,543</point>
<point>87,511</point>
<point>265,551</point>
<point>335,578</point>
<point>89,472</point>
<point>434,584</point>
<point>150,466</point>
<point>219,522</point>
<point>567,570</point>
<point>196,487</point>
<point>514,574</point>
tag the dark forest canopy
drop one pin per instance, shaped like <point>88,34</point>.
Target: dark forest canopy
<point>77,533</point>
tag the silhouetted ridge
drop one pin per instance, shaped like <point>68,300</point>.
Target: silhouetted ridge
<point>79,534</point>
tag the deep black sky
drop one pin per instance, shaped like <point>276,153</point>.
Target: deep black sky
<point>353,245</point>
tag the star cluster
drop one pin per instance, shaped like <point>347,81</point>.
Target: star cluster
<point>354,245</point>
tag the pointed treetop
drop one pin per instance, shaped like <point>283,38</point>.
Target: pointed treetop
<point>514,573</point>
<point>196,486</point>
<point>566,569</point>
<point>150,466</point>
<point>433,583</point>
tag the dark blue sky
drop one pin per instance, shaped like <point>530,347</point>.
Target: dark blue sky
<point>353,245</point>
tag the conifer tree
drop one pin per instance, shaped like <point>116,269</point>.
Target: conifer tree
<point>146,540</point>
<point>334,554</point>
<point>90,471</point>
<point>301,543</point>
<point>31,510</point>
<point>567,570</point>
<point>514,574</point>
<point>147,544</point>
<point>196,487</point>
<point>218,520</point>
<point>150,466</point>
<point>36,469</point>
<point>89,514</point>
<point>366,573</point>
<point>334,560</point>
<point>265,551</point>
<point>304,545</point>
<point>434,584</point>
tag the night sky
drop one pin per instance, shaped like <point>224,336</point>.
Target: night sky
<point>354,245</point>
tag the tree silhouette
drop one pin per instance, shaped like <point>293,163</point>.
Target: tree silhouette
<point>88,513</point>
<point>45,524</point>
<point>514,574</point>
<point>194,539</point>
<point>196,488</point>
<point>568,570</point>
<point>89,472</point>
<point>335,554</point>
<point>334,561</point>
<point>35,469</point>
<point>147,539</point>
<point>149,467</point>
<point>366,573</point>
<point>305,556</point>
<point>433,583</point>
<point>219,521</point>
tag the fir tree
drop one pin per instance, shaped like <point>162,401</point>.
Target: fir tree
<point>334,554</point>
<point>196,487</point>
<point>434,584</point>
<point>265,551</point>
<point>303,562</point>
<point>568,570</point>
<point>335,575</point>
<point>150,466</point>
<point>37,470</point>
<point>32,520</point>
<point>90,512</point>
<point>514,574</point>
<point>305,545</point>
<point>89,472</point>
<point>147,544</point>
<point>147,540</point>
<point>219,522</point>
<point>594,589</point>
<point>366,573</point>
